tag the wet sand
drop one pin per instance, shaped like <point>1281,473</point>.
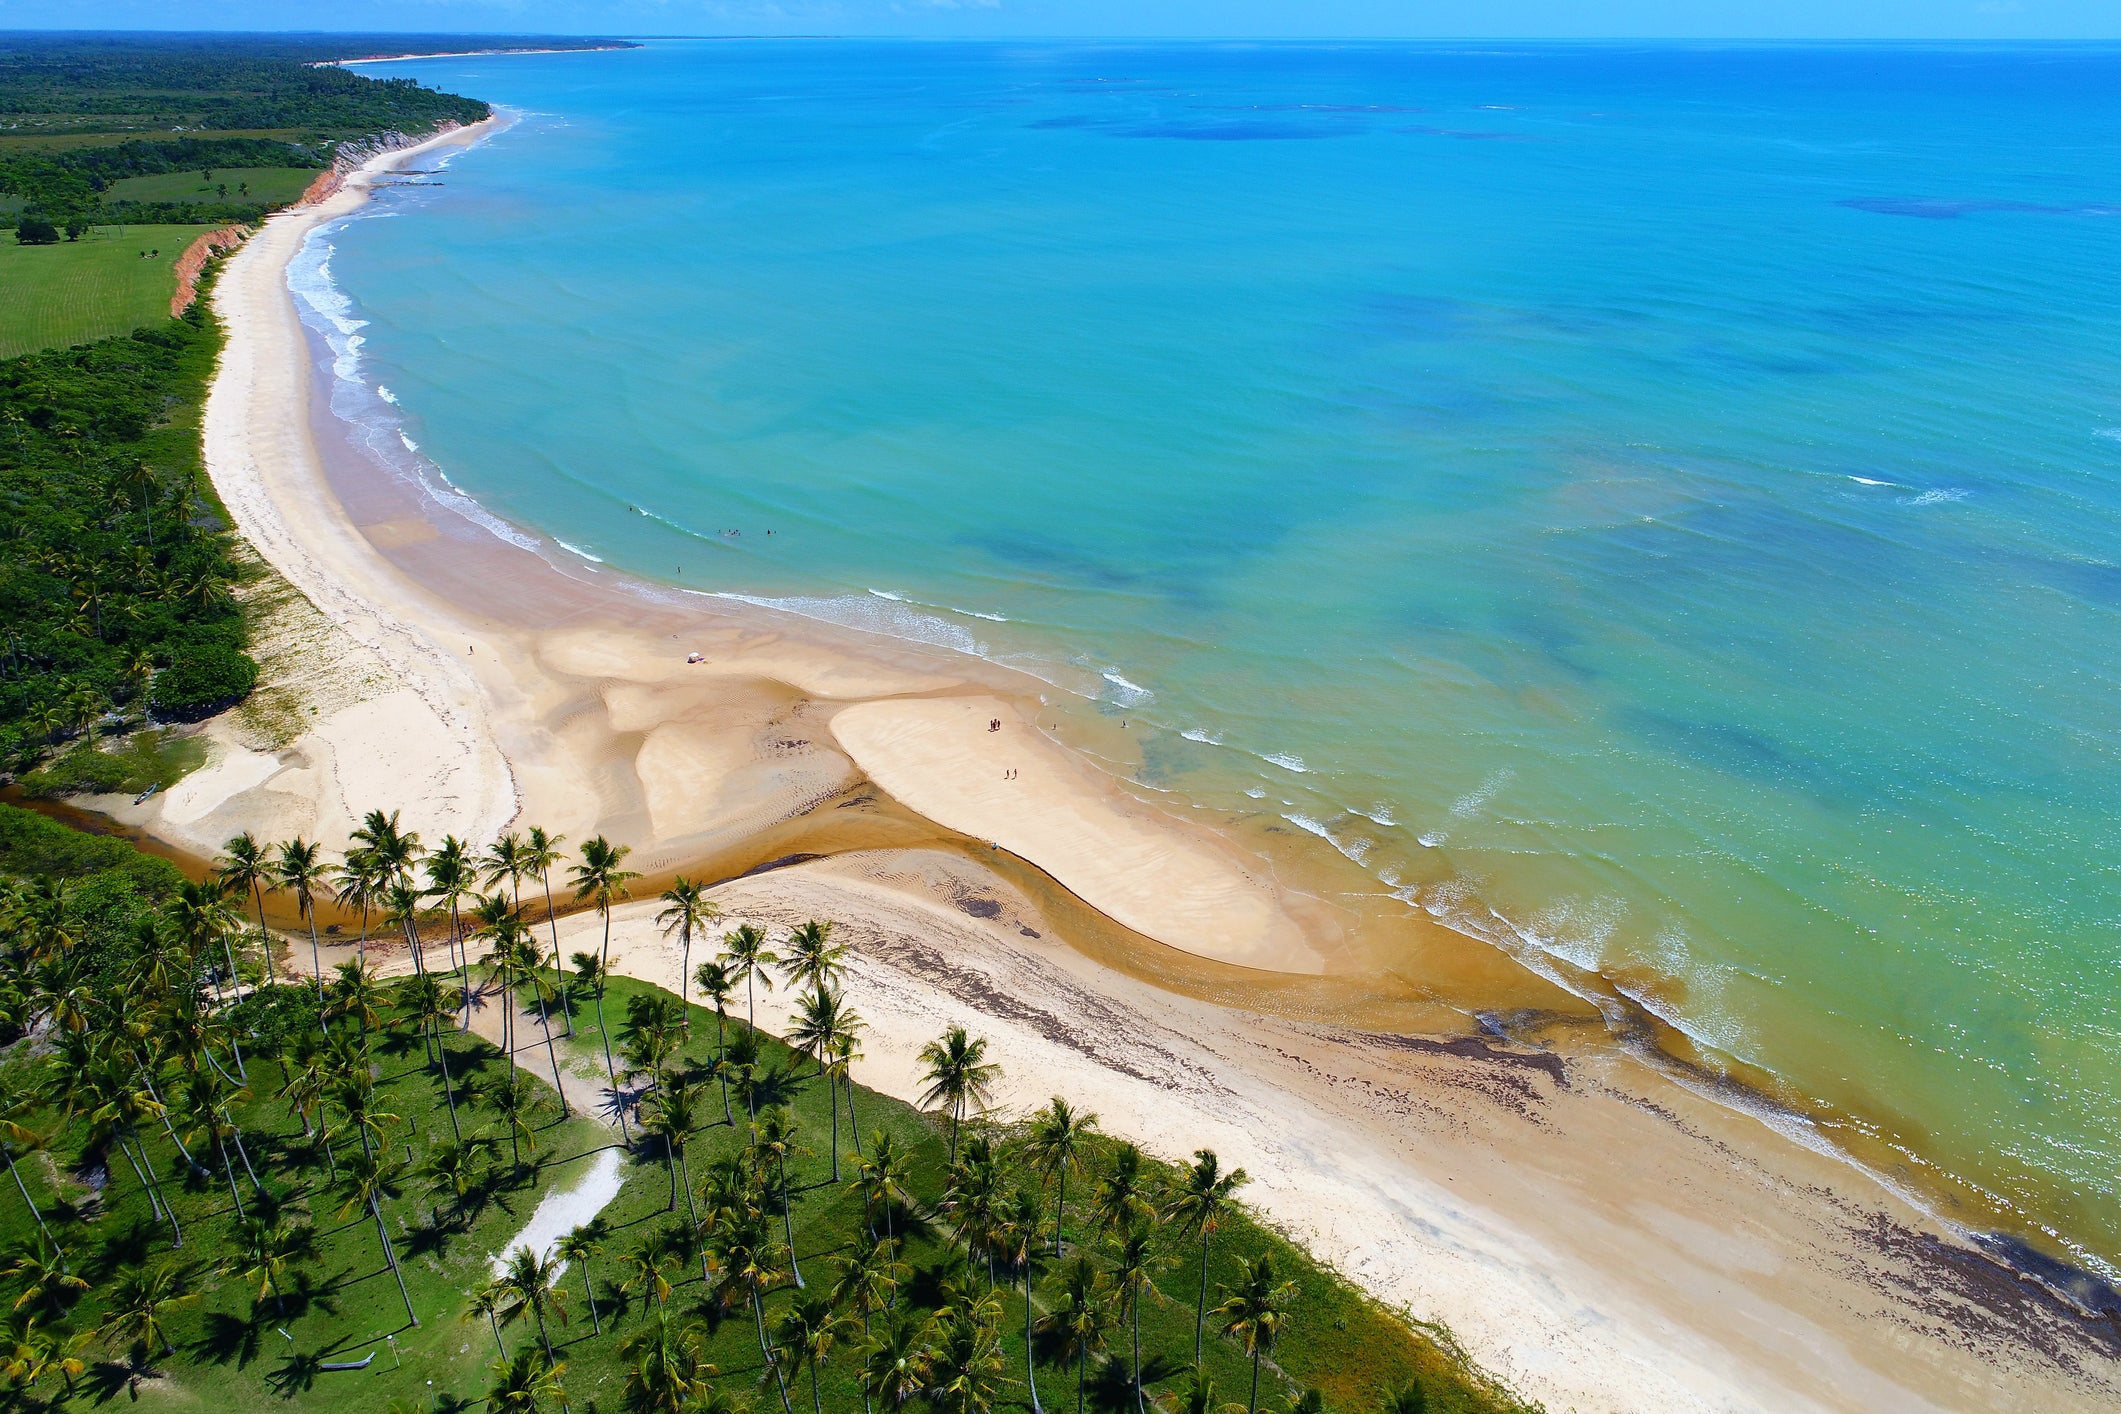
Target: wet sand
<point>1593,1230</point>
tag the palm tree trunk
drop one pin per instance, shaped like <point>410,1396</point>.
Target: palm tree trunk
<point>27,1201</point>
<point>817,1401</point>
<point>552,921</point>
<point>316,963</point>
<point>758,1310</point>
<point>1030,1351</point>
<point>264,938</point>
<point>1136,1315</point>
<point>788,1222</point>
<point>1200,1311</point>
<point>1082,1372</point>
<point>589,1294</point>
<point>537,985</point>
<point>442,1051</point>
<point>390,1255</point>
<point>611,1067</point>
<point>498,1343</point>
<point>1060,1208</point>
<point>692,1209</point>
<point>228,1168</point>
<point>1252,1404</point>
<point>685,980</point>
<point>833,1086</point>
<point>854,1126</point>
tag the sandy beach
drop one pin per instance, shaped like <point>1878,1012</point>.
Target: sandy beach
<point>1596,1233</point>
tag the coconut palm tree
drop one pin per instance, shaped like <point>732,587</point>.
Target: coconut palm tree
<point>823,1024</point>
<point>1197,1396</point>
<point>1255,1311</point>
<point>402,905</point>
<point>687,909</point>
<point>648,1263</point>
<point>515,1099</point>
<point>490,1299</point>
<point>1135,1263</point>
<point>501,926</point>
<point>749,1261</point>
<point>267,1247</point>
<point>1080,1316</point>
<point>773,1141</point>
<point>143,1298</point>
<point>38,1269</point>
<point>450,877</point>
<point>429,1005</point>
<point>456,1170</point>
<point>810,956</point>
<point>883,1178</point>
<point>600,880</point>
<point>958,1076</point>
<point>16,1137</point>
<point>895,1363</point>
<point>805,1336</point>
<point>1019,1238</point>
<point>300,871</point>
<point>526,1383</point>
<point>1055,1146</point>
<point>715,985</point>
<point>846,1049</point>
<point>672,1116</point>
<point>246,868</point>
<point>1201,1198</point>
<point>965,1358</point>
<point>868,1281</point>
<point>366,1180</point>
<point>666,1373</point>
<point>749,960</point>
<point>396,850</point>
<point>577,1247</point>
<point>528,1278</point>
<point>1121,1198</point>
<point>360,882</point>
<point>541,852</point>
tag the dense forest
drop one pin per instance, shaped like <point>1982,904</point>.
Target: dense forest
<point>115,574</point>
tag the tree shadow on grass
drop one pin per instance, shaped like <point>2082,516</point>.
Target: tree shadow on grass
<point>128,1246</point>
<point>107,1379</point>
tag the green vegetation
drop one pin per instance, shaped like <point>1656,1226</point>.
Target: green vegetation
<point>112,280</point>
<point>115,574</point>
<point>154,759</point>
<point>271,186</point>
<point>232,1179</point>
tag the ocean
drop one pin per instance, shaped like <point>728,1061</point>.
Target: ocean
<point>1656,508</point>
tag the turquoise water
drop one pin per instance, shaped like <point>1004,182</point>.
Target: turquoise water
<point>1658,509</point>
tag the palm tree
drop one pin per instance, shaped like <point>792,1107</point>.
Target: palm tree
<point>958,1075</point>
<point>1018,1238</point>
<point>1198,1203</point>
<point>773,1138</point>
<point>267,1246</point>
<point>426,1002</point>
<point>599,880</point>
<point>540,853</point>
<point>1122,1195</point>
<point>402,905</point>
<point>810,955</point>
<point>649,1262</point>
<point>845,1050</point>
<point>142,1300</point>
<point>671,1118</point>
<point>1197,1396</point>
<point>515,1099</point>
<point>576,1248</point>
<point>367,1180</point>
<point>38,1267</point>
<point>667,1374</point>
<point>489,1299</point>
<point>525,1384</point>
<point>354,993</point>
<point>245,868</point>
<point>823,1024</point>
<point>300,871</point>
<point>1080,1316</point>
<point>805,1336</point>
<point>965,1360</point>
<point>749,1261</point>
<point>360,883</point>
<point>868,1281</point>
<point>15,1135</point>
<point>456,1170</point>
<point>450,876</point>
<point>1255,1311</point>
<point>1135,1263</point>
<point>883,1179</point>
<point>715,985</point>
<point>895,1363</point>
<point>528,1278</point>
<point>499,923</point>
<point>745,954</point>
<point>1055,1145</point>
<point>1409,1398</point>
<point>689,908</point>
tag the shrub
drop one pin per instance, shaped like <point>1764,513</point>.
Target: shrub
<point>36,231</point>
<point>204,678</point>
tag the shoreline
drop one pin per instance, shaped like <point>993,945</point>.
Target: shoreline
<point>526,720</point>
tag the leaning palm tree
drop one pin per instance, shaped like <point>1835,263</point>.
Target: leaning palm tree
<point>958,1076</point>
<point>1200,1199</point>
<point>1255,1311</point>
<point>366,1180</point>
<point>246,868</point>
<point>1058,1135</point>
<point>825,1026</point>
<point>18,1137</point>
<point>687,908</point>
<point>528,1277</point>
<point>450,877</point>
<point>576,1248</point>
<point>600,880</point>
<point>491,1300</point>
<point>745,954</point>
<point>525,1384</point>
<point>300,871</point>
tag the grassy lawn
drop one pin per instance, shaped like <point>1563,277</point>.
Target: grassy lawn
<point>55,295</point>
<point>263,184</point>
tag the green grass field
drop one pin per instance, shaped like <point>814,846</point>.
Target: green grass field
<point>270,185</point>
<point>52,296</point>
<point>235,1352</point>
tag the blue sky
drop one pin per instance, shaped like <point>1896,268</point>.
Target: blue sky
<point>1765,19</point>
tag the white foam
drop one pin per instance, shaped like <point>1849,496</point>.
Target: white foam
<point>1939,496</point>
<point>1871,481</point>
<point>386,395</point>
<point>1376,814</point>
<point>1256,793</point>
<point>1125,693</point>
<point>1206,738</point>
<point>1287,762</point>
<point>2112,433</point>
<point>412,446</point>
<point>577,550</point>
<point>870,613</point>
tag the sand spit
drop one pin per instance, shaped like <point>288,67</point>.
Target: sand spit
<point>1597,1235</point>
